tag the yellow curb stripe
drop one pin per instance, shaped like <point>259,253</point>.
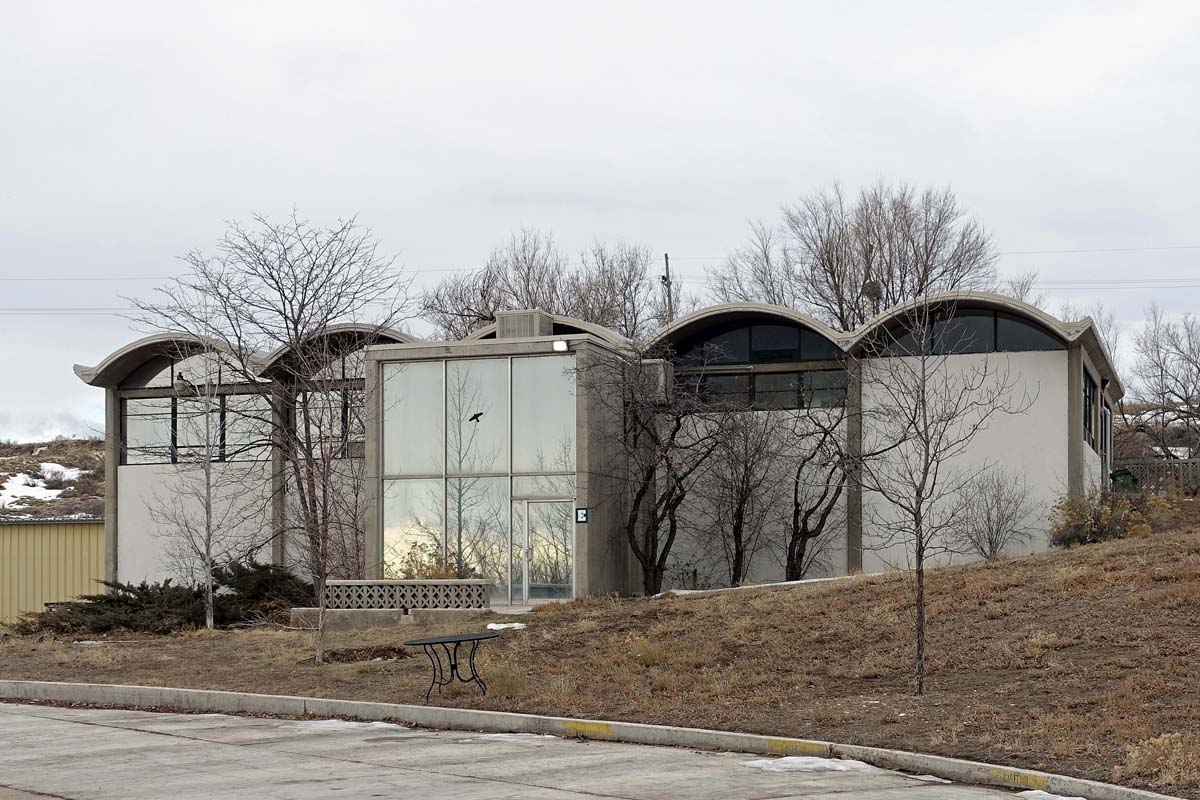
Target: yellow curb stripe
<point>796,747</point>
<point>588,730</point>
<point>1015,777</point>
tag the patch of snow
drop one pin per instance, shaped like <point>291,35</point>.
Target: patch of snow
<point>20,487</point>
<point>506,737</point>
<point>86,642</point>
<point>932,779</point>
<point>810,764</point>
<point>506,626</point>
<point>345,725</point>
<point>771,585</point>
<point>37,451</point>
<point>1038,794</point>
<point>50,469</point>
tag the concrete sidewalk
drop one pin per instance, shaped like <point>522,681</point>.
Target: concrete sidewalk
<point>99,754</point>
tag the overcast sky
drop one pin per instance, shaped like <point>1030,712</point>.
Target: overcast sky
<point>131,132</point>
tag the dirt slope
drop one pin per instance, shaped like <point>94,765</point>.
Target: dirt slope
<point>58,479</point>
<point>1058,661</point>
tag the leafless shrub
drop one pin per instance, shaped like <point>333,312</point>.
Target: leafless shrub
<point>997,513</point>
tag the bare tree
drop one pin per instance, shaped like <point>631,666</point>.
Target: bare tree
<point>760,272</point>
<point>1105,320</point>
<point>738,490</point>
<point>921,412</point>
<point>610,285</point>
<point>1168,372</point>
<point>209,517</point>
<point>665,433</point>
<point>815,457</point>
<point>1022,287</point>
<point>997,512</point>
<point>846,261</point>
<point>282,288</point>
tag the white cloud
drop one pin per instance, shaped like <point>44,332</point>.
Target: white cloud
<point>139,131</point>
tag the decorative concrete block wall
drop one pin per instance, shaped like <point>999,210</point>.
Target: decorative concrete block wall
<point>385,594</point>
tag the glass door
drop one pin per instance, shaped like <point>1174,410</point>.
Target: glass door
<point>544,550</point>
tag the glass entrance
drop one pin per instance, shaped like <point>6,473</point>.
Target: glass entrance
<point>543,551</point>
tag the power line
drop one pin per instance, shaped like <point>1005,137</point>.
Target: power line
<point>420,270</point>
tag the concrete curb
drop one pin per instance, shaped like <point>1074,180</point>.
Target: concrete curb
<point>953,769</point>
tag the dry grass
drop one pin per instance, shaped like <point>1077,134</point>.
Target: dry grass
<point>1085,662</point>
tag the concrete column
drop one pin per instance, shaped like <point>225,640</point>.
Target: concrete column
<point>1075,443</point>
<point>372,469</point>
<point>279,542</point>
<point>112,462</point>
<point>854,438</point>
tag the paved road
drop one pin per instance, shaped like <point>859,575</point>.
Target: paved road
<point>99,754</point>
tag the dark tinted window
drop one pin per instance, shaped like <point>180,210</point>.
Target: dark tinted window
<point>1014,334</point>
<point>968,331</point>
<point>731,391</point>
<point>729,345</point>
<point>774,343</point>
<point>816,347</point>
<point>898,341</point>
<point>1089,409</point>
<point>825,388</point>
<point>760,343</point>
<point>777,390</point>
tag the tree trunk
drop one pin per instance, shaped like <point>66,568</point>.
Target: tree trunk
<point>919,665</point>
<point>319,639</point>
<point>208,594</point>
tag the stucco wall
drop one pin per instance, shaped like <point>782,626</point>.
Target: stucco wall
<point>143,545</point>
<point>699,553</point>
<point>1031,444</point>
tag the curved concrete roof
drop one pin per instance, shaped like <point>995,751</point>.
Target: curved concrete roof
<point>702,318</point>
<point>975,299</point>
<point>384,336</point>
<point>1084,329</point>
<point>119,363</point>
<point>599,331</point>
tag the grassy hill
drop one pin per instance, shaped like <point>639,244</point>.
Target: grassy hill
<point>1084,662</point>
<point>55,479</point>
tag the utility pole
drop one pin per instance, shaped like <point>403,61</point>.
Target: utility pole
<point>666,280</point>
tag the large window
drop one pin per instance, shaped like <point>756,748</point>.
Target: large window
<point>149,430</point>
<point>461,439</point>
<point>543,415</point>
<point>477,419</point>
<point>755,343</point>
<point>817,388</point>
<point>167,430</point>
<point>413,414</point>
<point>966,330</point>
<point>1089,409</point>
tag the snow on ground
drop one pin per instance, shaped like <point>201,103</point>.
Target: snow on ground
<point>1038,794</point>
<point>344,725</point>
<point>50,470</point>
<point>769,585</point>
<point>506,626</point>
<point>21,487</point>
<point>505,737</point>
<point>810,764</point>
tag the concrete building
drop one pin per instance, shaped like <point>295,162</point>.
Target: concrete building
<point>490,456</point>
